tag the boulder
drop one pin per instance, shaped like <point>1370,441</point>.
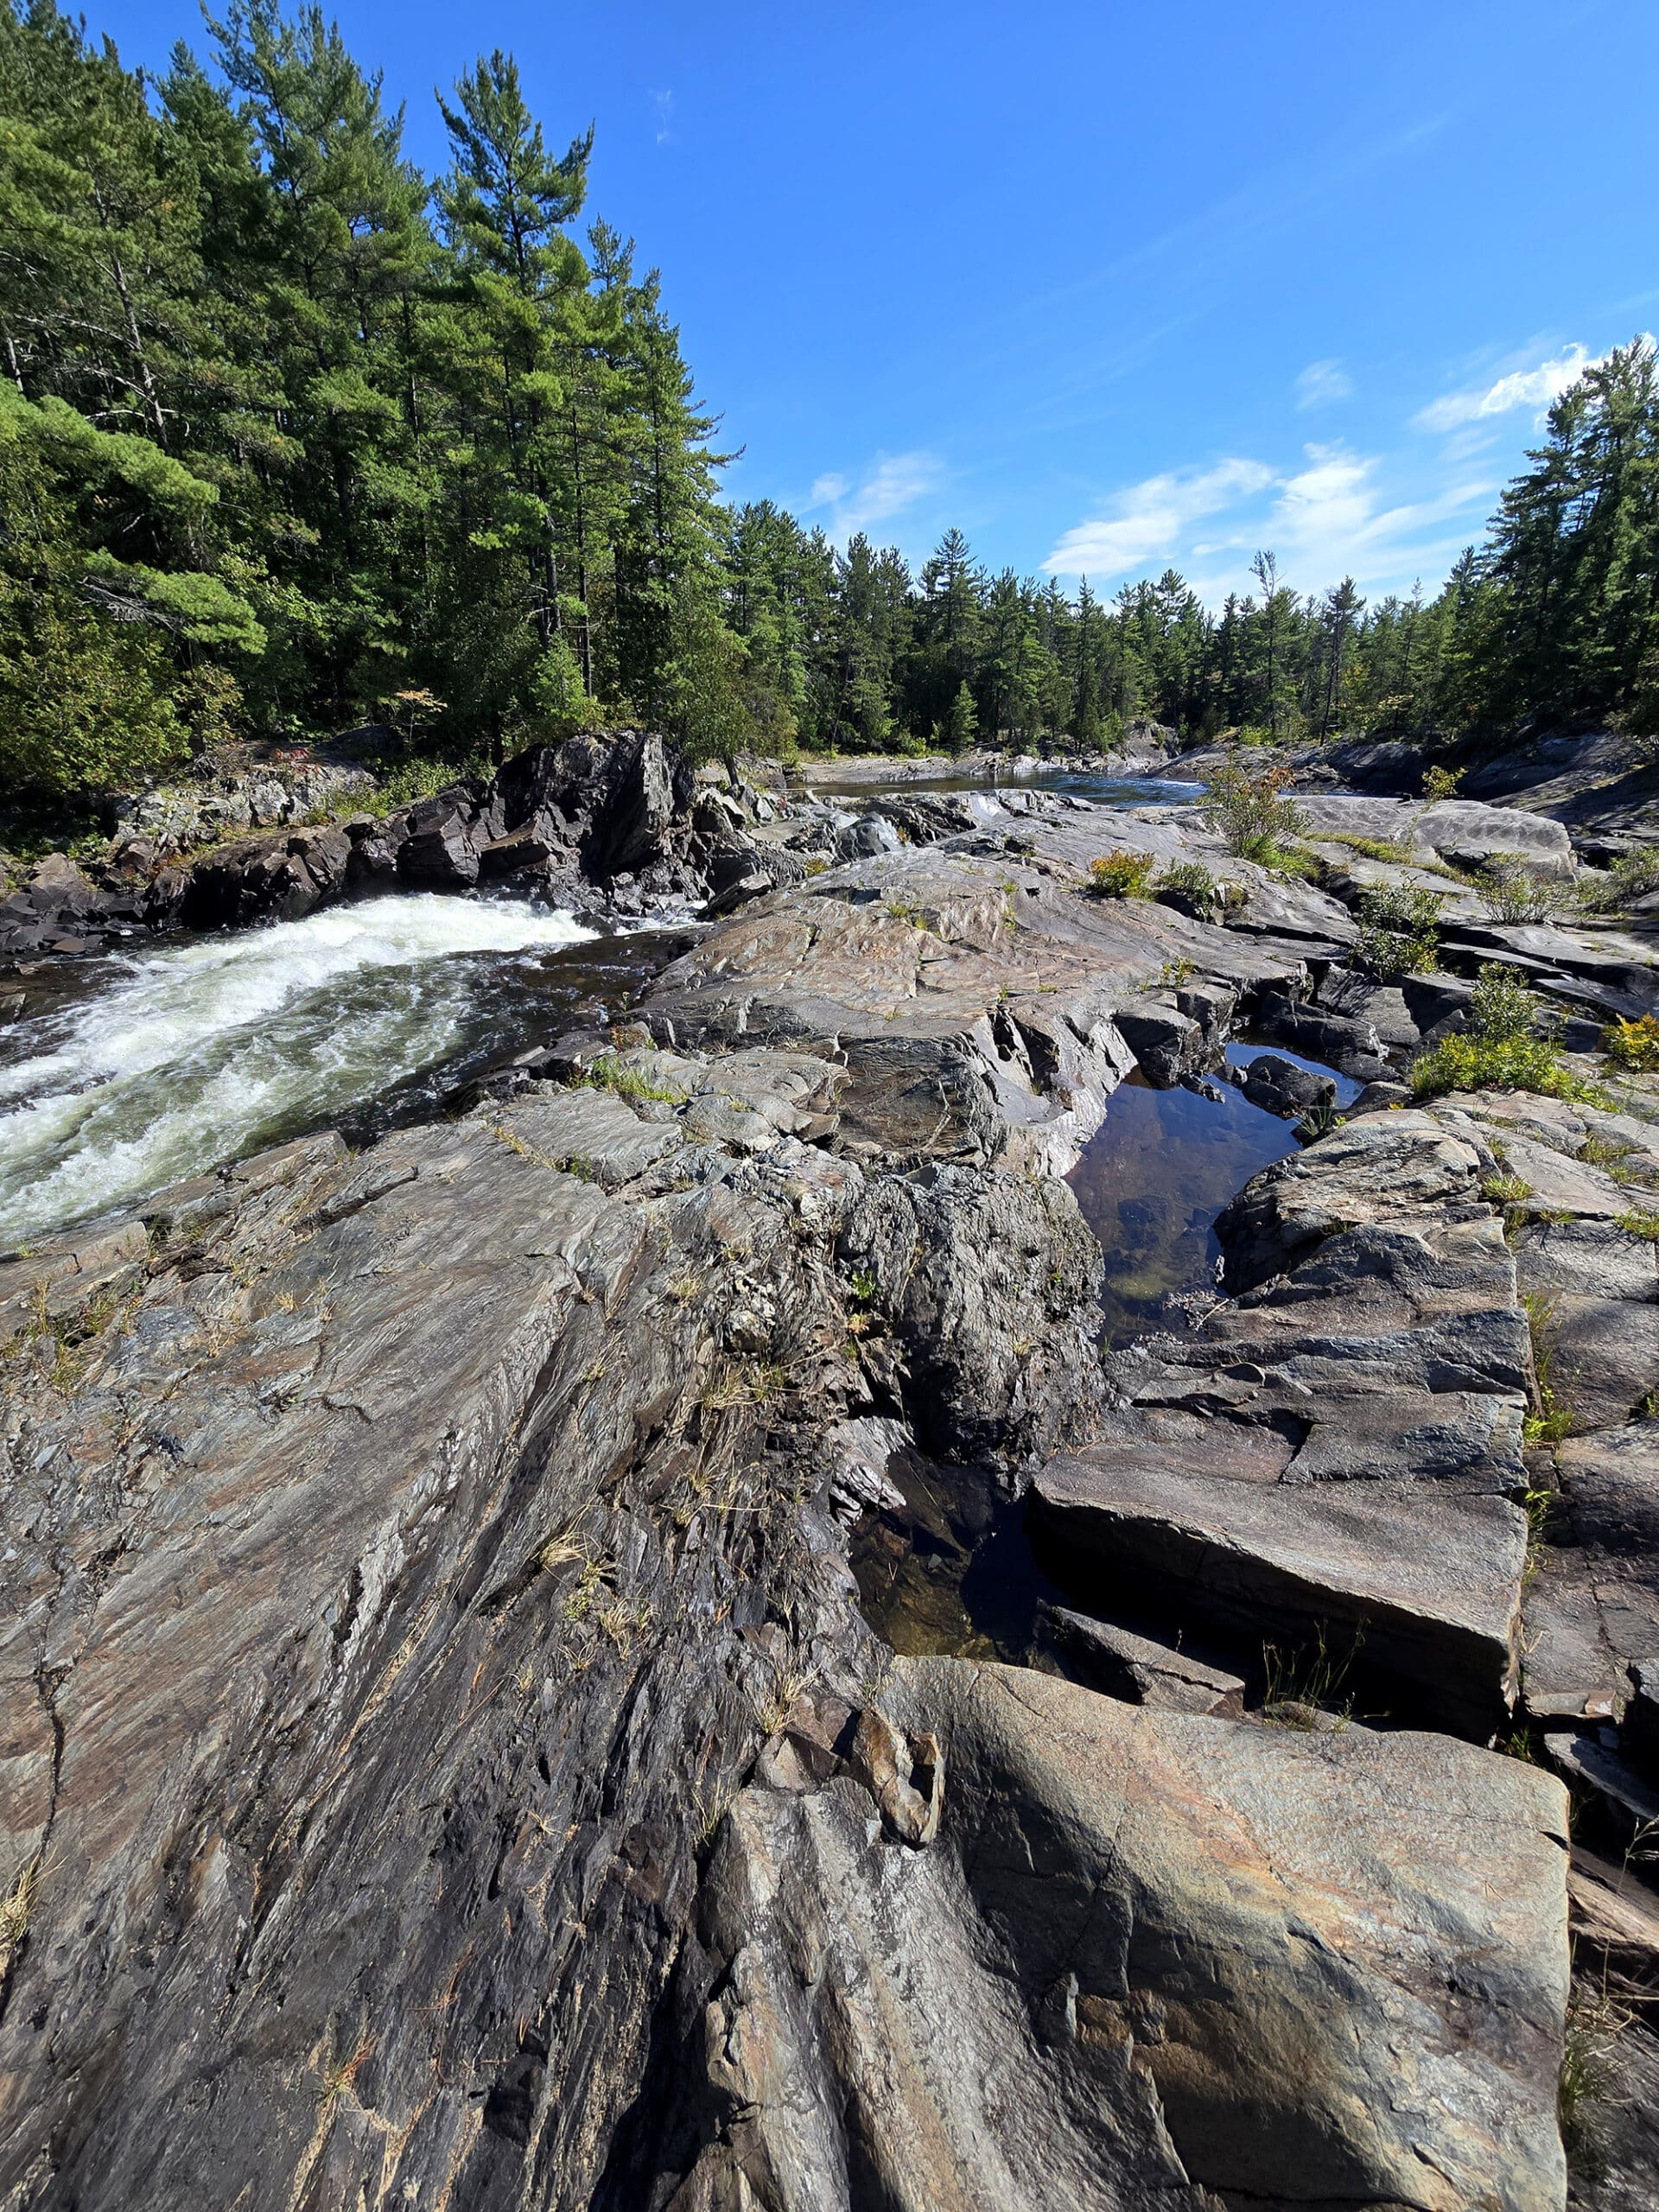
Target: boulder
<point>1153,1959</point>
<point>1279,1086</point>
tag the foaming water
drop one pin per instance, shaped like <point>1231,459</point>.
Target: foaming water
<point>207,1051</point>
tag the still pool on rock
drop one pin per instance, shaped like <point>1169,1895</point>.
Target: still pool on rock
<point>955,1573</point>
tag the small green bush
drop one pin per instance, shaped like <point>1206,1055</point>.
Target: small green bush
<point>1503,1008</point>
<point>1631,876</point>
<point>1465,1062</point>
<point>1633,1044</point>
<point>1248,810</point>
<point>1192,878</point>
<point>1122,876</point>
<point>1399,933</point>
<point>1497,1052</point>
<point>1511,890</point>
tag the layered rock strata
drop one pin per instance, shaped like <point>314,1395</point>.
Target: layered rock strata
<point>445,1762</point>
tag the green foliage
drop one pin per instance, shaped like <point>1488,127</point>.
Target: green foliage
<point>1513,890</point>
<point>1123,875</point>
<point>1497,1052</point>
<point>1442,783</point>
<point>1248,809</point>
<point>1503,1009</point>
<point>1633,1044</point>
<point>1631,876</point>
<point>288,428</point>
<point>1191,880</point>
<point>1399,933</point>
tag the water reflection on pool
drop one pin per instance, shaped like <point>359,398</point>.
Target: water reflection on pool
<point>1159,1170</point>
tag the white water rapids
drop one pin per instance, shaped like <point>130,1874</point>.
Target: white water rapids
<point>204,1053</point>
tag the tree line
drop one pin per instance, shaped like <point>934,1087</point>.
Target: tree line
<point>292,435</point>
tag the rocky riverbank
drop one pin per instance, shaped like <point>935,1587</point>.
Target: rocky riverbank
<point>445,1761</point>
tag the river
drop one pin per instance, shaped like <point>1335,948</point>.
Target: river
<point>153,1066</point>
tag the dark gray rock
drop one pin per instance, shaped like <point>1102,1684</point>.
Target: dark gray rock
<point>1279,1086</point>
<point>1138,1669</point>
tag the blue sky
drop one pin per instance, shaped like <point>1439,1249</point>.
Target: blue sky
<point>1109,286</point>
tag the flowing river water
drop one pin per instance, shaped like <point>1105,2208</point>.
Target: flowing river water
<point>156,1066</point>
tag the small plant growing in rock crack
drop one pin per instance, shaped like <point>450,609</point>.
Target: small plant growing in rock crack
<point>1589,2078</point>
<point>1371,849</point>
<point>1631,876</point>
<point>1508,1193</point>
<point>1302,1681</point>
<point>1121,875</point>
<point>733,1384</point>
<point>1552,1419</point>
<point>1319,1121</point>
<point>685,1288</point>
<point>1399,933</point>
<point>1174,973</point>
<point>1601,1151</point>
<point>340,2074</point>
<point>1442,783</point>
<point>1640,1223</point>
<point>1190,879</point>
<point>15,1909</point>
<point>608,1073</point>
<point>1512,890</point>
<point>903,910</point>
<point>1499,1052</point>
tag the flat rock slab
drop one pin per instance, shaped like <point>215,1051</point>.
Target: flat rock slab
<point>1152,1955</point>
<point>1433,1577</point>
<point>1461,826</point>
<point>1593,1609</point>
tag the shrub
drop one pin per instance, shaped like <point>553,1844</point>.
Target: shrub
<point>1246,807</point>
<point>1511,890</point>
<point>1497,1052</point>
<point>1631,876</point>
<point>1123,875</point>
<point>1633,1044</point>
<point>1189,887</point>
<point>1442,783</point>
<point>1399,933</point>
<point>1503,1008</point>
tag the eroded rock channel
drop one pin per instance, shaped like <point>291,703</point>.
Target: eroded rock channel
<point>448,1761</point>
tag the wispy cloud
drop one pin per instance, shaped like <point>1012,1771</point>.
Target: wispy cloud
<point>1534,388</point>
<point>1323,383</point>
<point>1330,517</point>
<point>1150,519</point>
<point>664,105</point>
<point>893,482</point>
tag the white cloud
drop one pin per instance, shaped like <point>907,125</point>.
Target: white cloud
<point>664,104</point>
<point>1331,517</point>
<point>1328,520</point>
<point>1323,382</point>
<point>1147,521</point>
<point>895,482</point>
<point>1534,388</point>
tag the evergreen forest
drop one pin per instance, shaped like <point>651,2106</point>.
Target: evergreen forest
<point>294,436</point>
